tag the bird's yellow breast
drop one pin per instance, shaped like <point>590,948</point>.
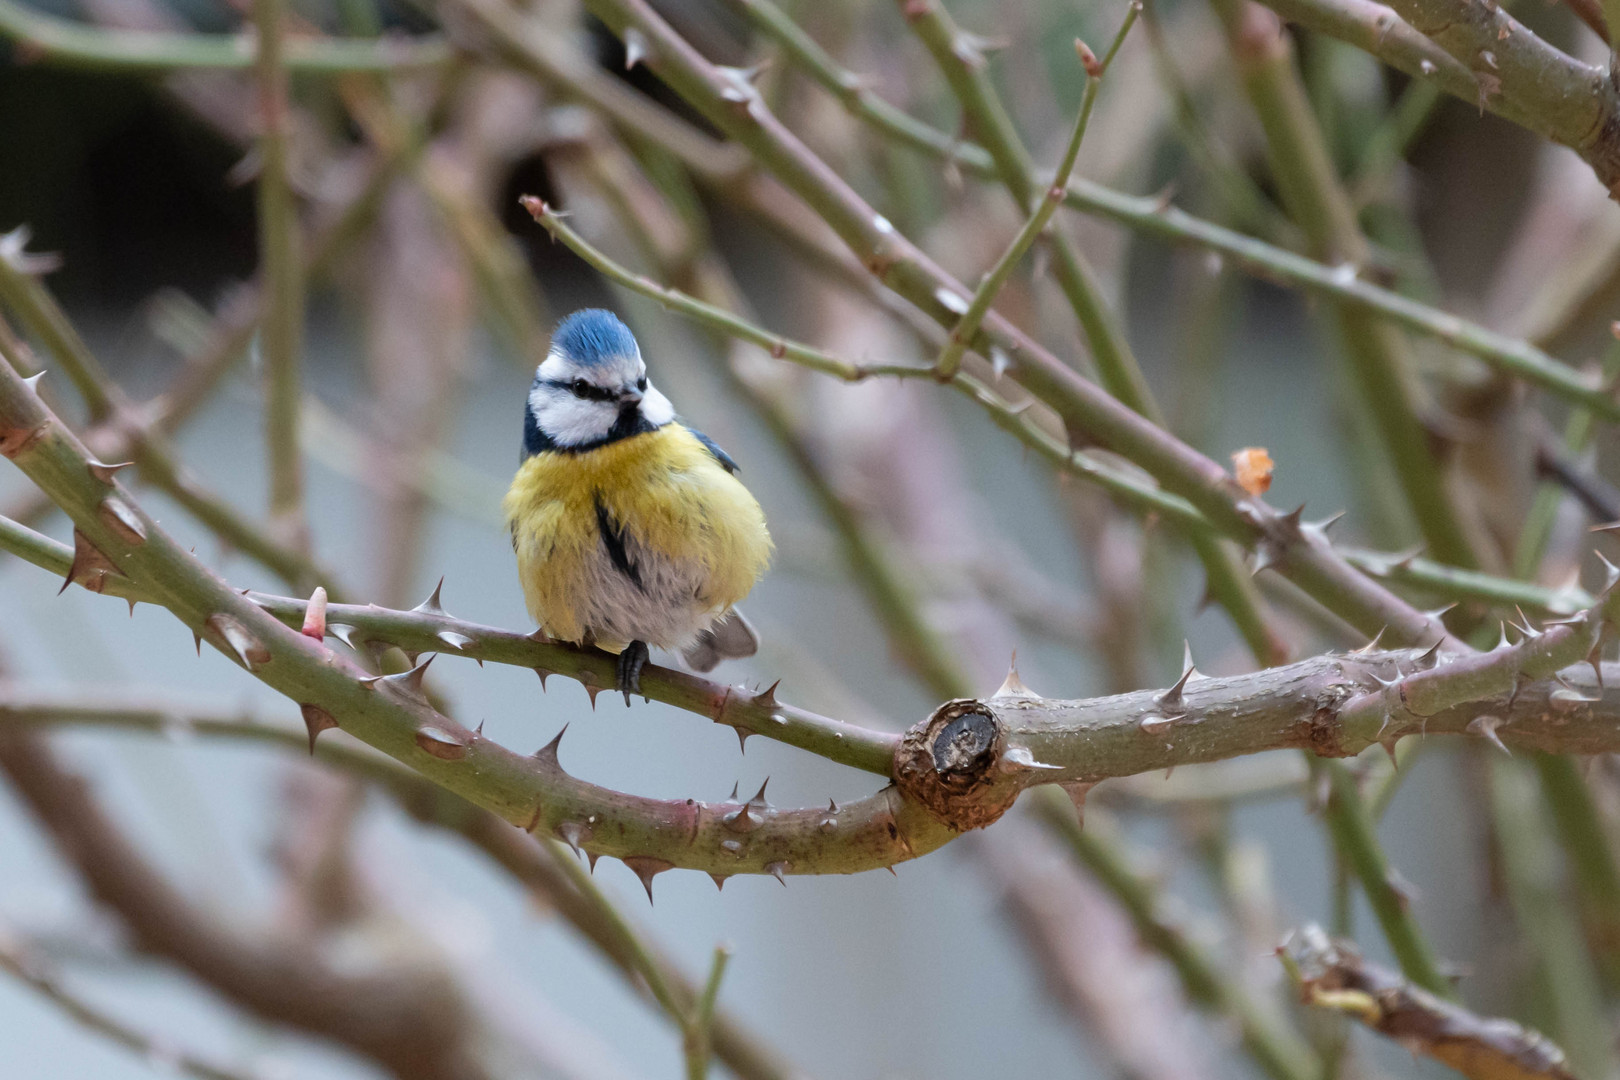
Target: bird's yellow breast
<point>668,494</point>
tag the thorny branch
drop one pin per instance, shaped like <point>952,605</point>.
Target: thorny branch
<point>960,769</point>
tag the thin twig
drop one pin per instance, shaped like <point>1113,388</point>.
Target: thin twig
<point>282,328</point>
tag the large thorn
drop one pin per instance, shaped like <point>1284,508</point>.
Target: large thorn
<point>544,674</point>
<point>647,867</point>
<point>1171,698</point>
<point>1013,685</point>
<point>1018,759</point>
<point>90,567</point>
<point>244,644</point>
<point>1611,574</point>
<point>105,472</point>
<point>456,641</point>
<point>1371,645</point>
<point>410,681</point>
<point>431,606</point>
<point>548,752</point>
<point>766,698</point>
<point>122,519</point>
<point>636,48</point>
<point>1320,528</point>
<point>574,834</point>
<point>777,870</point>
<point>719,881</point>
<point>317,720</point>
<point>443,744</point>
<point>1485,727</point>
<point>1078,791</point>
<point>346,634</point>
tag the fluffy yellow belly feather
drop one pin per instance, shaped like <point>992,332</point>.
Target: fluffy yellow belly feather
<point>677,508</point>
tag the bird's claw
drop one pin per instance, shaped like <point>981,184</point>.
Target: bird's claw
<point>627,671</point>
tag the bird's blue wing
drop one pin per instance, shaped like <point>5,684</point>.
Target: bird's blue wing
<point>714,448</point>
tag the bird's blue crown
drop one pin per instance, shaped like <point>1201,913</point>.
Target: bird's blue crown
<point>593,336</point>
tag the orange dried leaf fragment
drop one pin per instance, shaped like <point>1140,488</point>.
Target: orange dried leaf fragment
<point>1253,466</point>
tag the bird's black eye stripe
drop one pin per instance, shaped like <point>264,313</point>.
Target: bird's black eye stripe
<point>641,383</point>
<point>582,389</point>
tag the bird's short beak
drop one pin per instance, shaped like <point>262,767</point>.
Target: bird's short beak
<point>630,397</point>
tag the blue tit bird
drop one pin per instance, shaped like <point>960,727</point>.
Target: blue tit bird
<point>631,529</point>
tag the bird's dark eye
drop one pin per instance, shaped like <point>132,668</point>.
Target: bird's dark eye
<point>641,383</point>
<point>581,388</point>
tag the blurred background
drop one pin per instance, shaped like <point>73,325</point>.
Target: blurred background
<point>430,296</point>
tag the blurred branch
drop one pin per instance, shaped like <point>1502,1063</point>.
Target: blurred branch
<point>1278,1051</point>
<point>1569,988</point>
<point>281,330</point>
<point>1601,498</point>
<point>412,1024</point>
<point>44,38</point>
<point>1248,206</point>
<point>701,1020</point>
<point>1155,216</point>
<point>1355,836</point>
<point>1333,977</point>
<point>1095,964</point>
<point>533,863</point>
<point>1579,430</point>
<point>1379,360</point>
<point>22,964</point>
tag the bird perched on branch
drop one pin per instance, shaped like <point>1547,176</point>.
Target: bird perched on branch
<point>630,528</point>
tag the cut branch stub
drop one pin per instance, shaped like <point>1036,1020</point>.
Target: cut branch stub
<point>950,764</point>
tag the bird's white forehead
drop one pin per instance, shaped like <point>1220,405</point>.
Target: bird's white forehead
<point>608,372</point>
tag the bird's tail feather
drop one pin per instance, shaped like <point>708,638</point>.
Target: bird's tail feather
<point>730,637</point>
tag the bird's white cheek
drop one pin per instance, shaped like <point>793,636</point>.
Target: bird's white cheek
<point>571,421</point>
<point>655,407</point>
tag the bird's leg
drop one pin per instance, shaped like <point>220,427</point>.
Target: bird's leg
<point>628,669</point>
